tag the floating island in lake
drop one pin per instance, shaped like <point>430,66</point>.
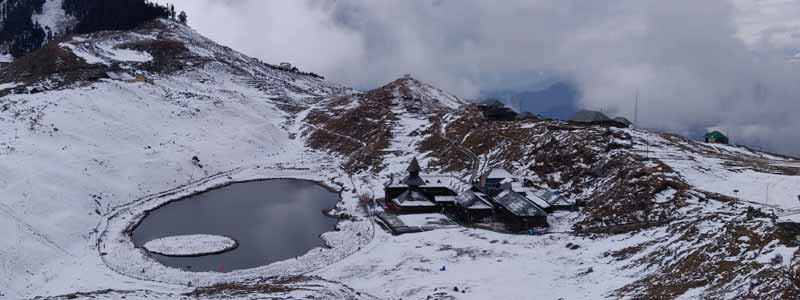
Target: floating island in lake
<point>191,245</point>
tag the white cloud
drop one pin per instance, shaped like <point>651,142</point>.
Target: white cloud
<point>697,64</point>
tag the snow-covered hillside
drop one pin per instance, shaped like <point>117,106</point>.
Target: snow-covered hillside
<point>78,151</point>
<point>662,219</point>
<point>101,128</point>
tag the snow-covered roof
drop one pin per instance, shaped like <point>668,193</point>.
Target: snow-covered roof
<point>444,198</point>
<point>552,198</point>
<point>499,173</point>
<point>413,198</point>
<point>119,75</point>
<point>472,200</point>
<point>519,205</point>
<point>446,181</point>
<point>413,180</point>
<point>529,194</point>
<point>425,220</point>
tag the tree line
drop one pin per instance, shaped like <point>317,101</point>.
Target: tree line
<point>19,34</point>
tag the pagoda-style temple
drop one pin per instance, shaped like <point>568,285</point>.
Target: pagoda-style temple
<point>419,193</point>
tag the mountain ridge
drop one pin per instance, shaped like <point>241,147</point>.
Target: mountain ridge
<point>87,155</point>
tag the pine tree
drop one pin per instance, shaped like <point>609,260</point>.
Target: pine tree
<point>182,18</point>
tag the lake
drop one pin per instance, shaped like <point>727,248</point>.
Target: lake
<point>272,220</point>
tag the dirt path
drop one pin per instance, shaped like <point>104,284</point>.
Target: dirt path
<point>476,161</point>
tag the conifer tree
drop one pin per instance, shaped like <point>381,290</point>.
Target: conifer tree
<point>182,18</point>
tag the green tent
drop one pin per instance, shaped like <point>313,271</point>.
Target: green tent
<point>716,137</point>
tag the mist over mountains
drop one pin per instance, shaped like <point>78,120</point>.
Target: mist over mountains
<point>711,65</point>
<point>558,101</point>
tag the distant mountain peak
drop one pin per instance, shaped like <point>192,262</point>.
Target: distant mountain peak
<point>412,91</point>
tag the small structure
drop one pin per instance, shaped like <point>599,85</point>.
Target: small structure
<point>417,193</point>
<point>141,78</point>
<point>285,66</point>
<point>543,198</point>
<point>473,207</point>
<point>413,200</point>
<point>120,76</point>
<point>527,116</point>
<point>495,110</point>
<point>590,117</point>
<point>624,120</point>
<point>518,212</point>
<point>555,201</point>
<point>123,76</point>
<point>492,180</point>
<point>402,224</point>
<point>716,137</point>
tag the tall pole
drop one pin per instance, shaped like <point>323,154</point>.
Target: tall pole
<point>767,200</point>
<point>636,110</point>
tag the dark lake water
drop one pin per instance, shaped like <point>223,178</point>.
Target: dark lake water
<point>272,220</point>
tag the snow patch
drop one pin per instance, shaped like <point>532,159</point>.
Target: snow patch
<point>6,58</point>
<point>191,245</point>
<point>5,86</point>
<point>53,17</point>
<point>419,220</point>
<point>86,55</point>
<point>119,54</point>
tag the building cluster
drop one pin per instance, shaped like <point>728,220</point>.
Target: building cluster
<point>498,196</point>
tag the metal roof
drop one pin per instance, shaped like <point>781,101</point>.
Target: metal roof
<point>414,166</point>
<point>499,173</point>
<point>413,198</point>
<point>519,205</point>
<point>471,200</point>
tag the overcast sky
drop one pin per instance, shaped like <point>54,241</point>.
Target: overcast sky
<point>721,64</point>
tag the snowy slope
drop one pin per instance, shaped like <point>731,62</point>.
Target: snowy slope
<point>92,150</point>
<point>661,222</point>
<point>73,154</point>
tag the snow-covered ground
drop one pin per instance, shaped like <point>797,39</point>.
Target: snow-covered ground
<point>79,166</point>
<point>728,170</point>
<point>71,158</point>
<point>190,245</point>
<point>106,52</point>
<point>479,264</point>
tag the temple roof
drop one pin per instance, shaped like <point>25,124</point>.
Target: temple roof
<point>414,166</point>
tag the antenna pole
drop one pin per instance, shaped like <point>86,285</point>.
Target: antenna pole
<point>636,110</point>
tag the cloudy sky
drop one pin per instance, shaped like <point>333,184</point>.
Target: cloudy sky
<point>698,65</point>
